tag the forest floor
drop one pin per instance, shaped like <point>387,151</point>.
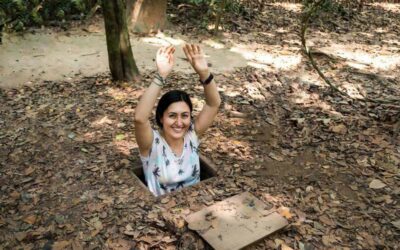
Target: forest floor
<point>330,163</point>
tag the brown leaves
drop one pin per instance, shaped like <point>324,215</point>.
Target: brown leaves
<point>339,129</point>
<point>31,219</point>
<point>119,244</point>
<point>327,221</point>
<point>396,224</point>
<point>280,134</point>
<point>285,212</point>
<point>29,170</point>
<point>61,245</point>
<point>276,157</point>
<point>15,195</point>
<point>95,225</point>
<point>20,236</point>
<point>328,240</point>
<point>376,184</point>
<point>131,232</point>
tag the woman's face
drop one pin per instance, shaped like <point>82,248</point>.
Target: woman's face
<point>176,120</point>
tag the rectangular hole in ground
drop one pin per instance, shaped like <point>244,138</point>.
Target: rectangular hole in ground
<point>207,171</point>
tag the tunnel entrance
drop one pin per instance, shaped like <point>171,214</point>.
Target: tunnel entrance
<point>207,171</point>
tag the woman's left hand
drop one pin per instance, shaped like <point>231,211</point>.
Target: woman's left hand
<point>197,59</point>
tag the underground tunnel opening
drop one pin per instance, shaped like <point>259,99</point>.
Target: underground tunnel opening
<point>208,170</point>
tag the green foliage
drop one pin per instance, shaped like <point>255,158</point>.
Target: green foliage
<point>18,14</point>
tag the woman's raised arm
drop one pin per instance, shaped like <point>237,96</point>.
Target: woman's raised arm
<point>199,63</point>
<point>143,131</point>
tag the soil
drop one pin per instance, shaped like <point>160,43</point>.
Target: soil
<point>328,163</point>
<point>55,55</point>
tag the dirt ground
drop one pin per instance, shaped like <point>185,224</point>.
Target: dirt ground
<point>330,164</point>
<point>26,59</point>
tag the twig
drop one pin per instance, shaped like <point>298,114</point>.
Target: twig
<point>91,54</point>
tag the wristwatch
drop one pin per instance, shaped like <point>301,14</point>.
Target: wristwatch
<point>208,80</point>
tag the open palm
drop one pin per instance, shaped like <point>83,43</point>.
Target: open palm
<point>197,59</point>
<point>165,60</point>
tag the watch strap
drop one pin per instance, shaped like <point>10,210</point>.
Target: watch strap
<point>208,80</point>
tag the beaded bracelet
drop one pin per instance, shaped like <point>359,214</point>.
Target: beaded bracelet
<point>160,81</point>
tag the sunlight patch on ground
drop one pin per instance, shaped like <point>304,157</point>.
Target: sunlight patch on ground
<point>213,44</point>
<point>311,79</point>
<point>117,94</point>
<point>232,93</point>
<point>384,61</point>
<point>393,7</point>
<point>301,97</point>
<point>294,7</point>
<point>264,60</point>
<point>125,146</point>
<point>120,94</point>
<point>391,41</point>
<point>313,100</point>
<point>352,90</point>
<point>104,120</point>
<point>162,40</point>
<point>381,30</point>
<point>281,30</point>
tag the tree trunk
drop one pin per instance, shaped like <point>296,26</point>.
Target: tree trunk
<point>120,57</point>
<point>148,16</point>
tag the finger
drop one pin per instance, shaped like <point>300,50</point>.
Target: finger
<point>191,51</point>
<point>199,50</point>
<point>187,53</point>
<point>169,49</point>
<point>194,49</point>
<point>171,55</point>
<point>171,59</point>
<point>163,50</point>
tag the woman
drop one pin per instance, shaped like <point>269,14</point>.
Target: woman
<point>170,156</point>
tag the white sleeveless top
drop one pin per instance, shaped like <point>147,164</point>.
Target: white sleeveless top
<point>166,172</point>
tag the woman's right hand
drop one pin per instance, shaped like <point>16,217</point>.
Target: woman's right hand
<point>165,60</point>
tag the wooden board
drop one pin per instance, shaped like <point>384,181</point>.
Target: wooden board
<point>235,222</point>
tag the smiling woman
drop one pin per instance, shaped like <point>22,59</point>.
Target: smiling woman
<point>170,155</point>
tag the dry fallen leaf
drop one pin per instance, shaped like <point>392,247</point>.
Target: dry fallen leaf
<point>15,195</point>
<point>274,156</point>
<point>285,247</point>
<point>396,224</point>
<point>285,212</point>
<point>327,221</point>
<point>339,129</point>
<point>327,240</point>
<point>376,184</point>
<point>61,245</point>
<point>20,236</point>
<point>76,245</point>
<point>29,171</point>
<point>165,200</point>
<point>31,219</point>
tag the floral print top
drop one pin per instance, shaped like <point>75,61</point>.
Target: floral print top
<point>166,172</point>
